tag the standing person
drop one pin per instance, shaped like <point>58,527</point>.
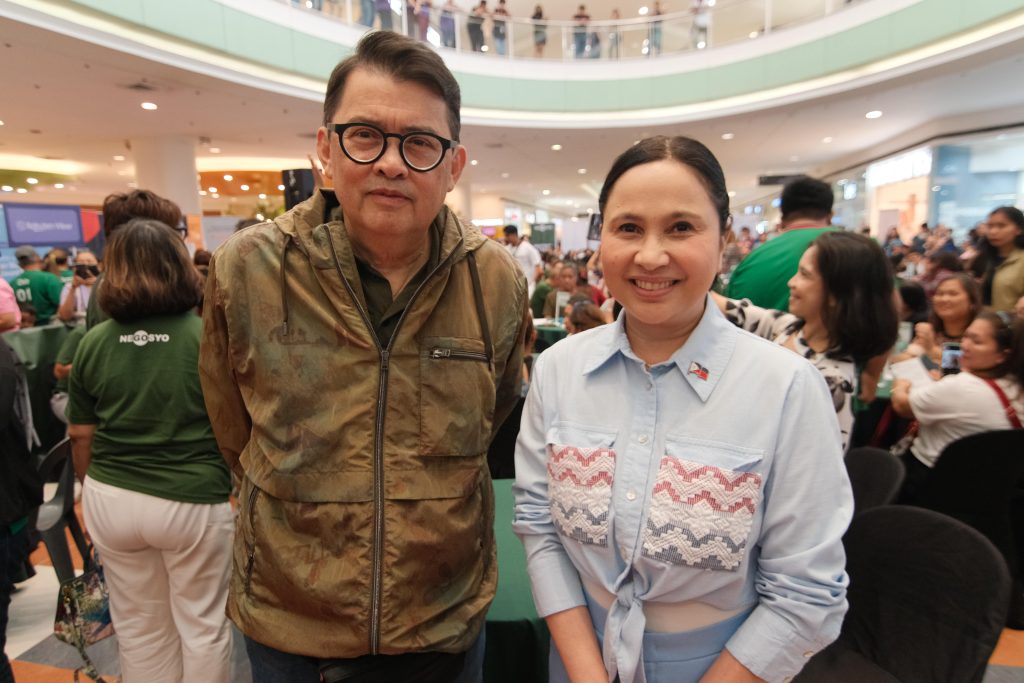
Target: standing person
<point>579,31</point>
<point>540,32</point>
<point>384,12</point>
<point>368,12</point>
<point>35,286</point>
<point>155,488</point>
<point>475,26</point>
<point>499,27</point>
<point>526,255</point>
<point>365,536</point>
<point>762,276</point>
<point>423,18</point>
<point>1003,284</point>
<point>613,36</point>
<point>637,576</point>
<point>656,29</point>
<point>446,24</point>
<point>74,299</point>
<point>699,30</point>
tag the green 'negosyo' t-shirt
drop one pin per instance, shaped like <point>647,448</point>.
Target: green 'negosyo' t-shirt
<point>138,383</point>
<point>41,289</point>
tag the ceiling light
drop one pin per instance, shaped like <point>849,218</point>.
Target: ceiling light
<point>149,106</point>
<point>31,181</point>
<point>243,188</point>
<point>701,45</point>
<point>262,196</point>
<point>22,190</point>
<point>202,193</point>
<point>827,140</point>
<point>58,186</point>
<point>568,202</point>
<point>215,150</point>
<point>753,34</point>
<point>118,157</point>
<point>484,48</point>
<point>281,187</point>
<point>555,148</point>
<point>213,189</point>
<point>1,123</point>
<point>581,171</point>
<point>728,136</point>
<point>133,184</point>
<point>936,188</point>
<point>643,11</point>
<point>546,192</point>
<point>504,175</point>
<point>228,177</point>
<point>873,114</point>
<point>215,195</point>
<point>7,188</point>
<point>732,193</point>
<point>474,162</point>
<point>710,3</point>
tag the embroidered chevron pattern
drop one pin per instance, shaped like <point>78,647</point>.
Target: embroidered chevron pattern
<point>580,489</point>
<point>700,515</point>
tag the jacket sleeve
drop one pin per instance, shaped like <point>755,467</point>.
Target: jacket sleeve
<point>232,424</point>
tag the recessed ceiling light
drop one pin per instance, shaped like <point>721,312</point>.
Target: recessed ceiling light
<point>280,187</point>
<point>474,162</point>
<point>31,181</point>
<point>644,10</point>
<point>701,45</point>
<point>202,193</point>
<point>58,186</point>
<point>243,188</point>
<point>228,177</point>
<point>504,175</point>
<point>728,136</point>
<point>936,188</point>
<point>262,195</point>
<point>213,189</point>
<point>555,148</point>
<point>873,114</point>
<point>149,106</point>
<point>7,188</point>
<point>215,195</point>
<point>22,190</point>
<point>1,123</point>
<point>827,140</point>
<point>118,157</point>
<point>484,48</point>
<point>581,171</point>
<point>546,192</point>
<point>215,150</point>
<point>753,34</point>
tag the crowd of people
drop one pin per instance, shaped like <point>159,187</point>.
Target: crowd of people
<point>345,367</point>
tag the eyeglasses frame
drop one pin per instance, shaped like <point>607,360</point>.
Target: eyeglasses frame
<point>446,144</point>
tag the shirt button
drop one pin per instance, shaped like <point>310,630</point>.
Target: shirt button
<point>631,495</point>
<point>643,438</point>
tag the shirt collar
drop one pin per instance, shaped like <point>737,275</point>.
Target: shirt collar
<point>701,360</point>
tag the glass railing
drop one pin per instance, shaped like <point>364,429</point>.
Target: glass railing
<point>708,24</point>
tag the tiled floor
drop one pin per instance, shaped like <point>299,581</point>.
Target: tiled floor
<point>38,657</point>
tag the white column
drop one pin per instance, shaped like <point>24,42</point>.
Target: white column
<point>167,166</point>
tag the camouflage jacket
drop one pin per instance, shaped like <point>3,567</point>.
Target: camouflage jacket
<point>366,512</point>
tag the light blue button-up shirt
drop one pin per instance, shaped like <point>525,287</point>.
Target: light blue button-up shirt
<point>716,476</point>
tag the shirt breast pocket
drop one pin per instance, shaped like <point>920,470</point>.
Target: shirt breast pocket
<point>581,470</point>
<point>703,504</point>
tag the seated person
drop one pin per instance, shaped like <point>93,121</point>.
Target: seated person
<point>28,315</point>
<point>912,303</point>
<point>957,300</point>
<point>583,316</point>
<point>981,398</point>
<point>937,266</point>
<point>566,281</point>
<point>62,370</point>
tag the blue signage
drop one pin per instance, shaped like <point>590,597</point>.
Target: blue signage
<point>43,224</point>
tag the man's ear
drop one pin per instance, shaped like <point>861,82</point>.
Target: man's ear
<point>323,150</point>
<point>459,157</point>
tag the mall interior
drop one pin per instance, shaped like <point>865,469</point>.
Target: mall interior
<point>912,110</point>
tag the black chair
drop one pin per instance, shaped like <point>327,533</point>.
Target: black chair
<point>875,475</point>
<point>928,597</point>
<point>58,513</point>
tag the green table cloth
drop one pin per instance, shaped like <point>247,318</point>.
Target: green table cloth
<point>548,335</point>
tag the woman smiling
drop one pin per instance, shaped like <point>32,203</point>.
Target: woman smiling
<point>657,491</point>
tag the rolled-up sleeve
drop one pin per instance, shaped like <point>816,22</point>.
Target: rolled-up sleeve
<point>800,577</point>
<point>555,582</point>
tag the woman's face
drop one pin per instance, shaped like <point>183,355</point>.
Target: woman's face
<point>980,349</point>
<point>1001,231</point>
<point>661,245</point>
<point>806,288</point>
<point>951,301</point>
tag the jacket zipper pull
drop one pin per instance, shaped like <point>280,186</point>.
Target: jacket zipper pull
<point>440,353</point>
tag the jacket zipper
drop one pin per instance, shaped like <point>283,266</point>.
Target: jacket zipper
<point>458,354</point>
<point>252,549</point>
<point>378,441</point>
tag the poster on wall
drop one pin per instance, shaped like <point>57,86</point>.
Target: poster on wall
<point>542,235</point>
<point>50,224</point>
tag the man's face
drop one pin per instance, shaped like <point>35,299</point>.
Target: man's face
<point>386,199</point>
<point>567,279</point>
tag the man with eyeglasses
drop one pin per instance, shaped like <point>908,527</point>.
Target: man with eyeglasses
<point>358,354</point>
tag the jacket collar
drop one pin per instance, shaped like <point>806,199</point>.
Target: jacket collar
<point>701,360</point>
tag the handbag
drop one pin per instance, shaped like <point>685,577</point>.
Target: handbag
<point>83,614</point>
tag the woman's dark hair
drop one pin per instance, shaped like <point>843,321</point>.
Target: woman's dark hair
<point>970,286</point>
<point>1015,216</point>
<point>1008,332</point>
<point>859,312</point>
<point>585,316</point>
<point>915,299</point>
<point>686,151</point>
<point>148,272</point>
<point>946,260</point>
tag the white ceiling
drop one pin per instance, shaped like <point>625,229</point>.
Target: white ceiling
<point>74,95</point>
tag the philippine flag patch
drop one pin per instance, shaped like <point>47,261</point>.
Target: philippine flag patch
<point>699,370</point>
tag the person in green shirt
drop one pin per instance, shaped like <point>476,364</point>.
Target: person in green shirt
<point>62,370</point>
<point>763,276</point>
<point>155,486</point>
<point>35,286</point>
<point>543,288</point>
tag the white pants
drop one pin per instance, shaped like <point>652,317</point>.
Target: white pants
<point>166,564</point>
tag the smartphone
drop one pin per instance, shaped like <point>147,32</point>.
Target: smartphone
<point>951,358</point>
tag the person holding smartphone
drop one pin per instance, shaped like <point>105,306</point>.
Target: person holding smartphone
<point>74,300</point>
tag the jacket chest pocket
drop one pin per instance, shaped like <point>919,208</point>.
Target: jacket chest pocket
<point>457,395</point>
<point>703,504</point>
<point>581,471</point>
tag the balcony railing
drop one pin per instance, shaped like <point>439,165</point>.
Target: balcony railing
<point>708,24</point>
